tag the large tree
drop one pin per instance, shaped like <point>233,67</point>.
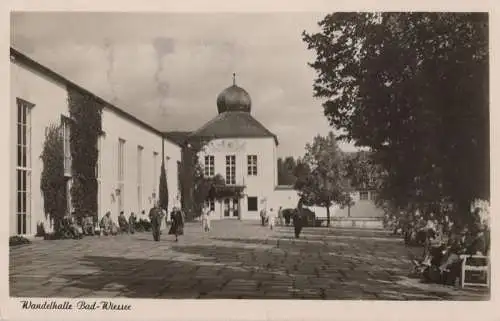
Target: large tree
<point>413,87</point>
<point>362,171</point>
<point>321,178</point>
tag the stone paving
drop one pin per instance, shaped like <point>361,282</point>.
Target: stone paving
<point>236,260</point>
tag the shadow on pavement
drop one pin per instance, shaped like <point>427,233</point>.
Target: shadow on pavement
<point>289,272</point>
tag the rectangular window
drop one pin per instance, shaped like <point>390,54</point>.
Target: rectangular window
<point>139,178</point>
<point>252,165</point>
<point>99,158</point>
<point>121,174</point>
<point>363,196</point>
<point>23,167</point>
<point>98,175</point>
<point>210,204</point>
<point>155,172</point>
<point>231,169</point>
<point>252,204</point>
<point>121,160</point>
<point>66,123</point>
<point>209,168</point>
<point>373,196</point>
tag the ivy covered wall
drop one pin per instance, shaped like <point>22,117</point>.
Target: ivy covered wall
<point>52,180</point>
<point>86,114</point>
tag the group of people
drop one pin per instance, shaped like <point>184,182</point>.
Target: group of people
<point>443,242</point>
<point>280,218</point>
<point>156,216</point>
<point>271,218</point>
<point>74,227</point>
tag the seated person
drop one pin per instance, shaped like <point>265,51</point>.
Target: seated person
<point>131,222</point>
<point>75,229</point>
<point>477,242</point>
<point>114,229</point>
<point>144,217</point>
<point>106,224</point>
<point>122,222</point>
<point>88,225</point>
<point>450,266</point>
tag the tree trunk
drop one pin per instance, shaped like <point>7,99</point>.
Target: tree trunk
<point>328,216</point>
<point>349,210</point>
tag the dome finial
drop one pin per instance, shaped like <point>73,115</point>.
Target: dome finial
<point>234,79</point>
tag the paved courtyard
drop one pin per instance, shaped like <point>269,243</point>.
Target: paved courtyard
<point>235,260</point>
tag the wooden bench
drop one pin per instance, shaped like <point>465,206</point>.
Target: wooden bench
<point>482,268</point>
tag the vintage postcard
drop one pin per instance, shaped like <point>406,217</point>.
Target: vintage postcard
<point>317,163</point>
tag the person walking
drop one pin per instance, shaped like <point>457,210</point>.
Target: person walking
<point>280,217</point>
<point>155,218</point>
<point>297,222</point>
<point>177,227</point>
<point>205,220</point>
<point>165,212</point>
<point>131,222</point>
<point>272,219</point>
<point>263,216</point>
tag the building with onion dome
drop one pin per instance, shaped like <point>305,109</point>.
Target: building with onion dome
<point>243,151</point>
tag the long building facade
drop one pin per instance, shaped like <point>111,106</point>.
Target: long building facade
<point>130,151</point>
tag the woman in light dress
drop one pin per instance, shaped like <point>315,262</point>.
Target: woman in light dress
<point>205,219</point>
<point>272,218</point>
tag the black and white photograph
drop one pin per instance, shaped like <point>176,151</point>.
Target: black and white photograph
<point>249,156</point>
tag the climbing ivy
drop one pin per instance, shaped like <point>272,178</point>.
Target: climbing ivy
<point>86,114</point>
<point>52,180</point>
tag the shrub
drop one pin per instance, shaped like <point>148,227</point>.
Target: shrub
<point>18,240</point>
<point>40,229</point>
<point>143,226</point>
<point>52,180</point>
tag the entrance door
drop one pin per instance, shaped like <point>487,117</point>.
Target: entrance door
<point>236,208</point>
<point>231,208</point>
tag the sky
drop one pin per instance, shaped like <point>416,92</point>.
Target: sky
<point>168,68</point>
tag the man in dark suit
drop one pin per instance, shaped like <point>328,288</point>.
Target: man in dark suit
<point>155,215</point>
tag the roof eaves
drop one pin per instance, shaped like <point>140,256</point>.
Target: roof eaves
<point>19,56</point>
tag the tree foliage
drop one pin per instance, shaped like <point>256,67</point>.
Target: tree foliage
<point>413,87</point>
<point>86,127</point>
<point>163,188</point>
<point>196,189</point>
<point>53,182</point>
<point>286,169</point>
<point>362,171</point>
<point>322,175</point>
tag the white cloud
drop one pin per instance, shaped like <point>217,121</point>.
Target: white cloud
<point>201,51</point>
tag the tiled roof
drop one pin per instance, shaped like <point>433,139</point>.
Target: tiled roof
<point>233,124</point>
<point>179,137</point>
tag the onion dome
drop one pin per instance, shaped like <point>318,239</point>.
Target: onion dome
<point>234,98</point>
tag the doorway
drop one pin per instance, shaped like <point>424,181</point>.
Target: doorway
<point>231,207</point>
